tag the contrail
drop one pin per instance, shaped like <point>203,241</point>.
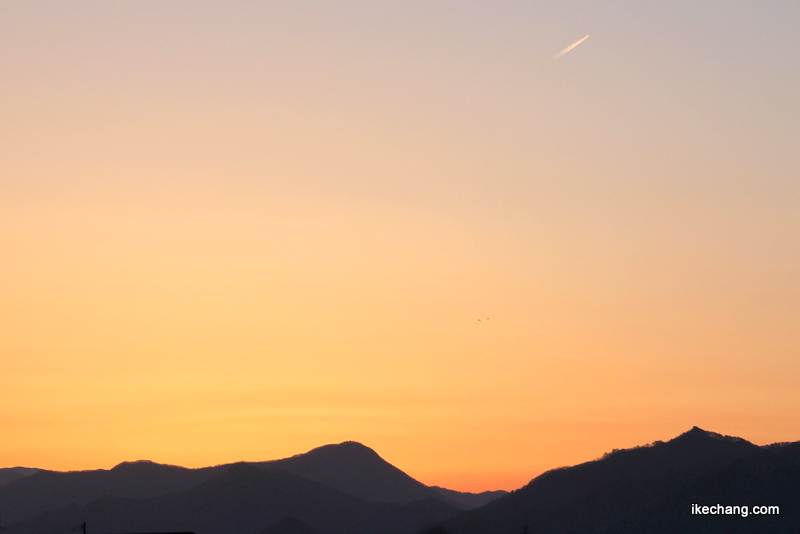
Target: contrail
<point>570,47</point>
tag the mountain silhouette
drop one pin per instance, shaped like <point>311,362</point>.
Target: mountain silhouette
<point>358,470</point>
<point>10,474</point>
<point>51,490</point>
<point>355,469</point>
<point>244,500</point>
<point>349,467</point>
<point>466,500</point>
<point>651,489</point>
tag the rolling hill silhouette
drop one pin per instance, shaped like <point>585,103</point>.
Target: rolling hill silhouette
<point>355,469</point>
<point>651,489</point>
<point>348,467</point>
<point>10,474</point>
<point>358,470</point>
<point>244,499</point>
<point>51,490</point>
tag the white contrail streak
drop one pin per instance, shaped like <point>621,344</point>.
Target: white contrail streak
<point>570,47</point>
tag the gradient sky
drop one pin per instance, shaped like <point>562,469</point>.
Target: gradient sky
<point>241,230</point>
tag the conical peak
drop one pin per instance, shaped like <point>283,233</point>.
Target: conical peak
<point>347,449</point>
<point>134,462</point>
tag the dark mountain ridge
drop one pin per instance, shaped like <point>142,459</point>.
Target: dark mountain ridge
<point>52,490</point>
<point>650,489</point>
<point>355,469</point>
<point>10,474</point>
<point>358,470</point>
<point>349,467</point>
<point>244,500</point>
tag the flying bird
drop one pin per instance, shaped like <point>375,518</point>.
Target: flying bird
<point>570,47</point>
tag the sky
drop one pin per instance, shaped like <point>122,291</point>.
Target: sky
<point>241,230</point>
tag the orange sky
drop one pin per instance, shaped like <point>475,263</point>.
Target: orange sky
<point>240,232</point>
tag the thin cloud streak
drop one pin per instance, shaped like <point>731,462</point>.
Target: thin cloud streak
<point>570,47</point>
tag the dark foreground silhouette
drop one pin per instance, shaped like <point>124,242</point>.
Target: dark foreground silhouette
<point>349,489</point>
